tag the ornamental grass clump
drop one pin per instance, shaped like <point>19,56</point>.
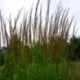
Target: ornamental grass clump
<point>38,47</point>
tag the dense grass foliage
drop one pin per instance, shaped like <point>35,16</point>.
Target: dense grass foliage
<point>36,50</point>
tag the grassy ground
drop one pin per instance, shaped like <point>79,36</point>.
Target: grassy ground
<point>77,70</point>
<point>47,71</point>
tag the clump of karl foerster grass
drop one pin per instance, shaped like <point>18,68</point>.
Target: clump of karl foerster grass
<point>37,50</point>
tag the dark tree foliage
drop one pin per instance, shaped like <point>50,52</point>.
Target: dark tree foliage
<point>75,45</point>
<point>2,52</point>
